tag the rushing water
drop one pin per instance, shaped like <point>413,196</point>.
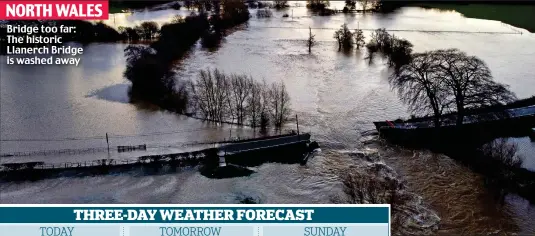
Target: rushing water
<point>336,96</point>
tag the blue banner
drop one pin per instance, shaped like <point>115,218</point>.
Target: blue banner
<point>194,220</point>
<point>189,214</point>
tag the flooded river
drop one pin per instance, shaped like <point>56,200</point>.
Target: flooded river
<point>336,96</point>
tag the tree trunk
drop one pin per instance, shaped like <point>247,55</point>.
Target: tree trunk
<point>460,115</point>
<point>436,120</point>
<point>460,108</point>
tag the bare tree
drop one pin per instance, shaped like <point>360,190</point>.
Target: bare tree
<point>317,4</point>
<point>241,90</point>
<point>364,4</point>
<point>266,107</point>
<point>382,39</point>
<point>203,98</point>
<point>210,94</point>
<point>264,13</point>
<point>256,101</point>
<point>442,80</point>
<point>311,41</point>
<point>148,29</point>
<point>359,38</point>
<point>339,38</point>
<point>418,86</point>
<point>279,104</point>
<point>344,37</point>
<point>470,82</point>
<point>501,160</point>
<point>503,152</point>
<point>279,4</point>
<point>238,98</point>
<point>129,33</point>
<point>284,105</point>
<point>350,5</point>
<point>399,53</point>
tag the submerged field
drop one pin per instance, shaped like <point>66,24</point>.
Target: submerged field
<point>336,96</point>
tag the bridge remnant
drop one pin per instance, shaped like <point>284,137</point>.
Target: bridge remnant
<point>283,148</point>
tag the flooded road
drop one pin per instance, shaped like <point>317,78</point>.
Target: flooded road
<point>336,96</point>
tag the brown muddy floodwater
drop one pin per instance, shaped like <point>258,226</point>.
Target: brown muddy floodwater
<point>336,96</point>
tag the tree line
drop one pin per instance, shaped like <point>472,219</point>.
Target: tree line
<point>444,81</point>
<point>366,5</point>
<point>149,68</point>
<point>238,98</point>
<point>434,82</point>
<point>322,6</point>
<point>213,96</point>
<point>398,51</point>
<point>347,39</point>
<point>148,30</point>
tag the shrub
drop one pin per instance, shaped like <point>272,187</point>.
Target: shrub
<point>264,13</point>
<point>278,4</point>
<point>502,152</point>
<point>344,37</point>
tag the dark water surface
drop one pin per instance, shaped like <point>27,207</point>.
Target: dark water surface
<point>336,96</point>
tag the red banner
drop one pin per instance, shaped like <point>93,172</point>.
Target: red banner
<point>54,10</point>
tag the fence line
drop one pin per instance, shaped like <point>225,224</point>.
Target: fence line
<point>175,157</point>
<point>54,152</point>
<point>397,30</point>
<point>181,158</point>
<point>119,149</point>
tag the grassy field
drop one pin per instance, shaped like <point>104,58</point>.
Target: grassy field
<point>114,9</point>
<point>522,16</point>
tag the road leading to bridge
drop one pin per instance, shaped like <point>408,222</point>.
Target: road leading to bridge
<point>264,143</point>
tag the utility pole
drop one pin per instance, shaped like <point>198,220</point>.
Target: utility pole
<point>297,121</point>
<point>108,142</point>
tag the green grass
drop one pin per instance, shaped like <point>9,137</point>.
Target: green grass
<point>114,9</point>
<point>522,16</point>
<point>116,6</point>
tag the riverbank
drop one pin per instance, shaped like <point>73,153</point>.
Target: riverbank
<point>519,15</point>
<point>481,146</point>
